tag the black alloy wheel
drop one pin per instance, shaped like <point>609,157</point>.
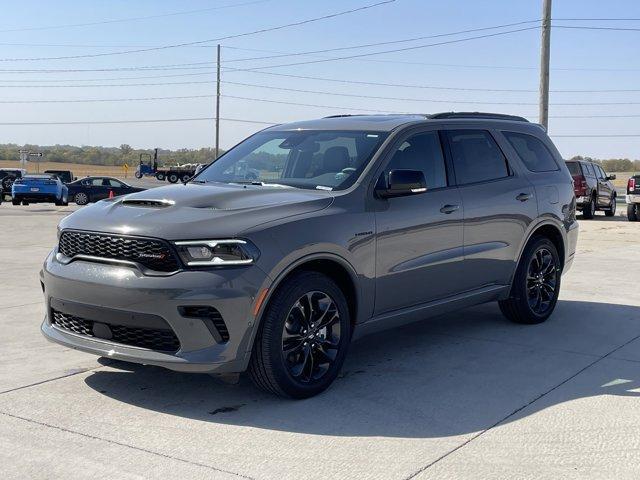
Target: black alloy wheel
<point>303,337</point>
<point>542,281</point>
<point>311,336</point>
<point>536,283</point>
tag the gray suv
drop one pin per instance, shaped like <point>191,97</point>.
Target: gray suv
<point>354,224</point>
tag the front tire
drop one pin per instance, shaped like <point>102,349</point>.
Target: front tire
<point>138,175</point>
<point>589,209</point>
<point>536,284</point>
<point>160,176</point>
<point>632,212</point>
<point>303,338</point>
<point>611,211</point>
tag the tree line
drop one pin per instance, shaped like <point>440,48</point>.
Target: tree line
<point>106,156</point>
<point>613,164</point>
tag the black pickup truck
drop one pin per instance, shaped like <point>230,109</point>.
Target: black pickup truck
<point>633,198</point>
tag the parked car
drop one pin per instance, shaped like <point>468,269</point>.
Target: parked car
<point>65,175</point>
<point>39,189</point>
<point>633,198</point>
<point>7,177</point>
<point>93,189</point>
<point>593,188</point>
<point>374,222</point>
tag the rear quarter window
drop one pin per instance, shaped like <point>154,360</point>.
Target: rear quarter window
<point>574,168</point>
<point>476,156</point>
<point>532,151</point>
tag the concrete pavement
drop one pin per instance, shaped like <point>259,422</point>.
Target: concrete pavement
<point>466,395</point>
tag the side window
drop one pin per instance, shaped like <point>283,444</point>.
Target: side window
<point>422,152</point>
<point>533,153</point>
<point>113,183</point>
<point>601,173</point>
<point>96,182</point>
<point>476,156</point>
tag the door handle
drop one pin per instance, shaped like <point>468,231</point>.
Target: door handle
<point>447,209</point>
<point>523,197</point>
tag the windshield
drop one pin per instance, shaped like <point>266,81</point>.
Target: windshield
<point>325,160</point>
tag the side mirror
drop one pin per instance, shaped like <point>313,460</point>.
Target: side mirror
<point>402,183</point>
<point>611,177</point>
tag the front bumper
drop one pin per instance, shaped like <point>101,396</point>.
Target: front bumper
<point>96,288</point>
<point>632,198</point>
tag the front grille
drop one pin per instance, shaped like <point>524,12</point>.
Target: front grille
<point>151,338</point>
<point>153,254</point>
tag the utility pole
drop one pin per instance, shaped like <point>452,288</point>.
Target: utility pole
<point>218,107</point>
<point>543,117</point>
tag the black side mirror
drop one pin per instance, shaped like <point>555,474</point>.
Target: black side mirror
<point>611,177</point>
<point>402,183</point>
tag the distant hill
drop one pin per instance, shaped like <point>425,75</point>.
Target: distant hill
<point>106,156</point>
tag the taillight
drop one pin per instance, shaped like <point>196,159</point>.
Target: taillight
<point>580,185</point>
<point>631,186</point>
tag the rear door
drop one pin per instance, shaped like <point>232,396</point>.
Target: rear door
<point>499,204</point>
<point>419,242</point>
<point>605,189</point>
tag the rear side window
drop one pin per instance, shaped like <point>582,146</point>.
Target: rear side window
<point>574,168</point>
<point>533,153</point>
<point>589,168</point>
<point>476,156</point>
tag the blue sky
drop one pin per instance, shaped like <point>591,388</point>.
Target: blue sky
<point>580,59</point>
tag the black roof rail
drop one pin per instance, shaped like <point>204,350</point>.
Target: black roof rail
<point>340,115</point>
<point>479,115</point>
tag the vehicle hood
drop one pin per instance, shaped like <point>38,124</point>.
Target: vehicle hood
<point>196,211</point>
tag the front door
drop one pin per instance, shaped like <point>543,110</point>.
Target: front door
<point>499,205</point>
<point>419,243</point>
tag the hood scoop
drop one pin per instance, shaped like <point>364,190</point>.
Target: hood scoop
<point>147,203</point>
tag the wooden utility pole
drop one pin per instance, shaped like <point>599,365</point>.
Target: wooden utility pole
<point>543,117</point>
<point>218,107</point>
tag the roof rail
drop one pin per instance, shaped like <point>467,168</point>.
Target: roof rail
<point>480,115</point>
<point>340,115</point>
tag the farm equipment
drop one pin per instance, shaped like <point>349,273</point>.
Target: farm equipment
<point>148,166</point>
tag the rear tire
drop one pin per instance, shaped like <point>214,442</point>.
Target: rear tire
<point>611,211</point>
<point>15,202</point>
<point>185,178</point>
<point>81,198</point>
<point>632,212</point>
<point>173,178</point>
<point>308,318</point>
<point>589,209</point>
<point>536,284</point>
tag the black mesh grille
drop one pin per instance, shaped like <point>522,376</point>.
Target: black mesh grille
<point>153,254</point>
<point>154,339</point>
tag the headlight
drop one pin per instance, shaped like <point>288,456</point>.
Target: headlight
<point>216,252</point>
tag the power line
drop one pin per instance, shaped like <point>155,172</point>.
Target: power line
<point>392,42</point>
<point>308,104</point>
<point>109,79</point>
<point>199,42</point>
<point>271,87</point>
<point>100,100</point>
<point>587,27</point>
<point>432,87</point>
<point>404,49</point>
<point>132,19</point>
<point>110,122</point>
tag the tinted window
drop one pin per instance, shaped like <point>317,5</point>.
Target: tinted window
<point>533,153</point>
<point>113,183</point>
<point>476,156</point>
<point>589,169</point>
<point>574,168</point>
<point>600,172</point>
<point>422,152</point>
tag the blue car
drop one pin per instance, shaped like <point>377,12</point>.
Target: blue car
<point>39,189</point>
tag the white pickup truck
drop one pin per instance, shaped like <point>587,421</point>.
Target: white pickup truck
<point>633,198</point>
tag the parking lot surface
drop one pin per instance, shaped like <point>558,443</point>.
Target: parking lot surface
<point>466,395</point>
